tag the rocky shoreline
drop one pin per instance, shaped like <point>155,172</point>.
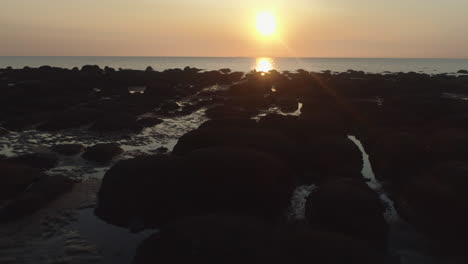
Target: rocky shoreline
<point>214,159</point>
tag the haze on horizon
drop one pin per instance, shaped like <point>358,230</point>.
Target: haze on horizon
<point>306,28</point>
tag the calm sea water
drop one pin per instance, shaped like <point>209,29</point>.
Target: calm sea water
<point>430,66</point>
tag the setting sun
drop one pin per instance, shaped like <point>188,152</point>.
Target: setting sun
<point>266,23</point>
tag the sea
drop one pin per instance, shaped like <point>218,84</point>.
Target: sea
<point>245,64</point>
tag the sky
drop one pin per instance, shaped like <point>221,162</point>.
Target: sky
<point>226,28</point>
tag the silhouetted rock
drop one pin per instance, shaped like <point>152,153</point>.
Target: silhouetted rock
<point>327,157</point>
<point>233,180</point>
<point>91,69</point>
<point>462,72</point>
<point>397,156</point>
<point>15,178</point>
<point>230,112</point>
<point>3,131</point>
<point>260,139</point>
<point>229,123</point>
<point>35,197</point>
<point>71,118</point>
<point>348,207</point>
<point>240,239</point>
<point>140,190</point>
<point>41,161</point>
<point>301,245</point>
<point>436,202</point>
<point>210,239</point>
<point>162,188</point>
<point>169,107</point>
<point>68,149</point>
<point>102,152</point>
<point>149,121</point>
<point>116,122</point>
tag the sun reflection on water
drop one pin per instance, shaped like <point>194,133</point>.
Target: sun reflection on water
<point>264,65</point>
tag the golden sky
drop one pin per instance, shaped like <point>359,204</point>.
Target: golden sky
<point>306,28</point>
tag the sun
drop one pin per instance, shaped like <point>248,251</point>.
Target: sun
<point>266,23</point>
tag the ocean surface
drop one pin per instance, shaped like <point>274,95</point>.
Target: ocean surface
<point>244,64</point>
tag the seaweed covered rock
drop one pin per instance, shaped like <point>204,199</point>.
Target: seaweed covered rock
<point>102,152</point>
<point>348,207</point>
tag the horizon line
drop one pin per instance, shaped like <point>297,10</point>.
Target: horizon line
<point>236,57</point>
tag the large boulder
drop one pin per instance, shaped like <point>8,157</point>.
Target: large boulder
<point>240,239</point>
<point>162,188</point>
<point>327,157</point>
<point>139,191</point>
<point>302,245</point>
<point>41,161</point>
<point>16,178</point>
<point>102,152</point>
<point>397,156</point>
<point>35,197</point>
<point>226,135</point>
<point>209,239</point>
<point>349,207</point>
<point>436,202</point>
<point>238,180</point>
<point>68,149</point>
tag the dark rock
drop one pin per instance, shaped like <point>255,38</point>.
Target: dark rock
<point>300,245</point>
<point>397,156</point>
<point>325,157</point>
<point>162,188</point>
<point>68,149</point>
<point>233,180</point>
<point>348,207</point>
<point>229,123</point>
<point>436,202</point>
<point>116,122</point>
<point>209,239</point>
<point>41,161</point>
<point>149,121</point>
<point>71,118</point>
<point>169,107</point>
<point>15,178</point>
<point>263,140</point>
<point>230,112</point>
<point>462,72</point>
<point>102,152</point>
<point>37,196</point>
<point>3,131</point>
<point>148,183</point>
<point>240,239</point>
